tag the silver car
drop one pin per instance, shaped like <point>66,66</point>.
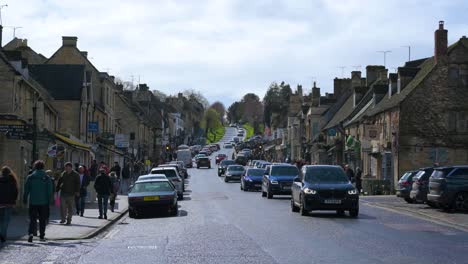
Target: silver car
<point>172,175</point>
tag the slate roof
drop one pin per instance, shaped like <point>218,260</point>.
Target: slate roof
<point>63,81</point>
<point>388,103</point>
<point>342,113</point>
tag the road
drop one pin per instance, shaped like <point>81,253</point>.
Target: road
<point>219,223</point>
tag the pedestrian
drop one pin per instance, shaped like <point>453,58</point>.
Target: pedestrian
<point>80,201</point>
<point>349,173</point>
<point>116,168</point>
<point>125,182</point>
<point>358,177</point>
<point>38,190</point>
<point>8,197</point>
<point>93,170</point>
<point>115,189</point>
<point>103,187</point>
<point>69,187</point>
<point>103,165</point>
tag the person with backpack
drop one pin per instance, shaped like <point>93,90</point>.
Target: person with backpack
<point>8,197</point>
<point>38,191</point>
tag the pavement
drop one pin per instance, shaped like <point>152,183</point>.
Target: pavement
<point>219,223</point>
<point>457,220</point>
<point>81,228</point>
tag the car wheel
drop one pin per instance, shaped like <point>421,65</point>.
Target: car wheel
<point>263,194</point>
<point>340,212</point>
<point>180,196</point>
<point>294,208</point>
<point>198,167</point>
<point>219,174</point>
<point>209,167</point>
<point>354,212</point>
<point>131,214</point>
<point>302,209</point>
<point>409,200</point>
<point>461,202</point>
<point>269,195</point>
<point>242,188</point>
<point>226,179</point>
<point>175,210</point>
<point>431,204</point>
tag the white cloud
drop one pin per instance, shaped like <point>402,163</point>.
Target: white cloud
<point>228,48</point>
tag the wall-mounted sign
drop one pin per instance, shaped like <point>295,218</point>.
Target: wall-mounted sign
<point>122,140</point>
<point>93,127</point>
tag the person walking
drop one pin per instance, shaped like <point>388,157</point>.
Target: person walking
<point>93,170</point>
<point>80,201</point>
<point>349,173</point>
<point>116,168</point>
<point>69,187</point>
<point>38,191</point>
<point>125,182</point>
<point>115,189</point>
<point>358,177</point>
<point>103,187</point>
<point>8,197</point>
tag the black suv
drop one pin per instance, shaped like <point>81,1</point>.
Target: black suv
<point>223,166</point>
<point>278,179</point>
<point>324,187</point>
<point>203,162</point>
<point>448,187</point>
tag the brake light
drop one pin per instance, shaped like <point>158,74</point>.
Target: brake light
<point>406,183</point>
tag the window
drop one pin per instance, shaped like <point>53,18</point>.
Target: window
<point>460,173</point>
<point>453,75</point>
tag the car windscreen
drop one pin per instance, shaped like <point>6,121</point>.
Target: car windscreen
<point>284,171</point>
<point>227,162</point>
<point>441,173</point>
<point>255,172</point>
<point>152,187</point>
<point>236,168</point>
<point>168,173</point>
<point>325,175</point>
<point>150,177</point>
<point>405,176</point>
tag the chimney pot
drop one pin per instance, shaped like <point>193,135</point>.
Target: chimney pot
<point>69,41</point>
<point>441,24</point>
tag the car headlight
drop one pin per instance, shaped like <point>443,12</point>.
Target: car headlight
<point>309,191</point>
<point>274,182</point>
<point>248,179</point>
<point>353,192</point>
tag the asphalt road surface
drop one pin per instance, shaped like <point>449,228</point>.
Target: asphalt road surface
<point>219,223</point>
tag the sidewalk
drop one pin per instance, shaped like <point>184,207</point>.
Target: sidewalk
<point>81,227</point>
<point>458,220</point>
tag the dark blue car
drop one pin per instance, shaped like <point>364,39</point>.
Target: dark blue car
<point>278,180</point>
<point>252,179</point>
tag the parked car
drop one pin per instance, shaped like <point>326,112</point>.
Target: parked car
<point>448,188</point>
<point>148,195</point>
<point>421,186</point>
<point>182,167</point>
<point>223,166</point>
<point>172,175</point>
<point>324,187</point>
<point>152,177</point>
<point>204,162</point>
<point>252,179</point>
<point>233,172</point>
<point>278,179</point>
<point>220,157</point>
<point>405,185</point>
<point>182,172</point>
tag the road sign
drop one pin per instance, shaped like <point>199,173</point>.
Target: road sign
<point>122,140</point>
<point>93,127</point>
<point>15,128</point>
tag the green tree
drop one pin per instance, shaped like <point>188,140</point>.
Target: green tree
<point>219,108</point>
<point>235,112</point>
<point>211,122</point>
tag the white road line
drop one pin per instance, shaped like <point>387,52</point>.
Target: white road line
<point>111,234</point>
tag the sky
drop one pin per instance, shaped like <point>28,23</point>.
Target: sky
<point>227,48</point>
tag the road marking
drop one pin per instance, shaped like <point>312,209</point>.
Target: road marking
<point>142,247</point>
<point>111,234</point>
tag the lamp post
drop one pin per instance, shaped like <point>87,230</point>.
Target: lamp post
<point>35,154</point>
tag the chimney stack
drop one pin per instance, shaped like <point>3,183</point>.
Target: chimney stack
<point>69,41</point>
<point>355,78</point>
<point>440,48</point>
<point>1,33</point>
<point>315,96</point>
<point>372,73</point>
<point>392,84</point>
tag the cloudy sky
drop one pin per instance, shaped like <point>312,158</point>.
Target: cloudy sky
<point>227,48</point>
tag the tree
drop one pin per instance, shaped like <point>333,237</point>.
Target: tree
<point>235,112</point>
<point>127,85</point>
<point>252,111</point>
<point>196,95</point>
<point>211,122</point>
<point>219,108</point>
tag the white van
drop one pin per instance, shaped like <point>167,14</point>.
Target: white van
<point>185,155</point>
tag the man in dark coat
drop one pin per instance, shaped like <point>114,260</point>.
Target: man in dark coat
<point>104,188</point>
<point>80,201</point>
